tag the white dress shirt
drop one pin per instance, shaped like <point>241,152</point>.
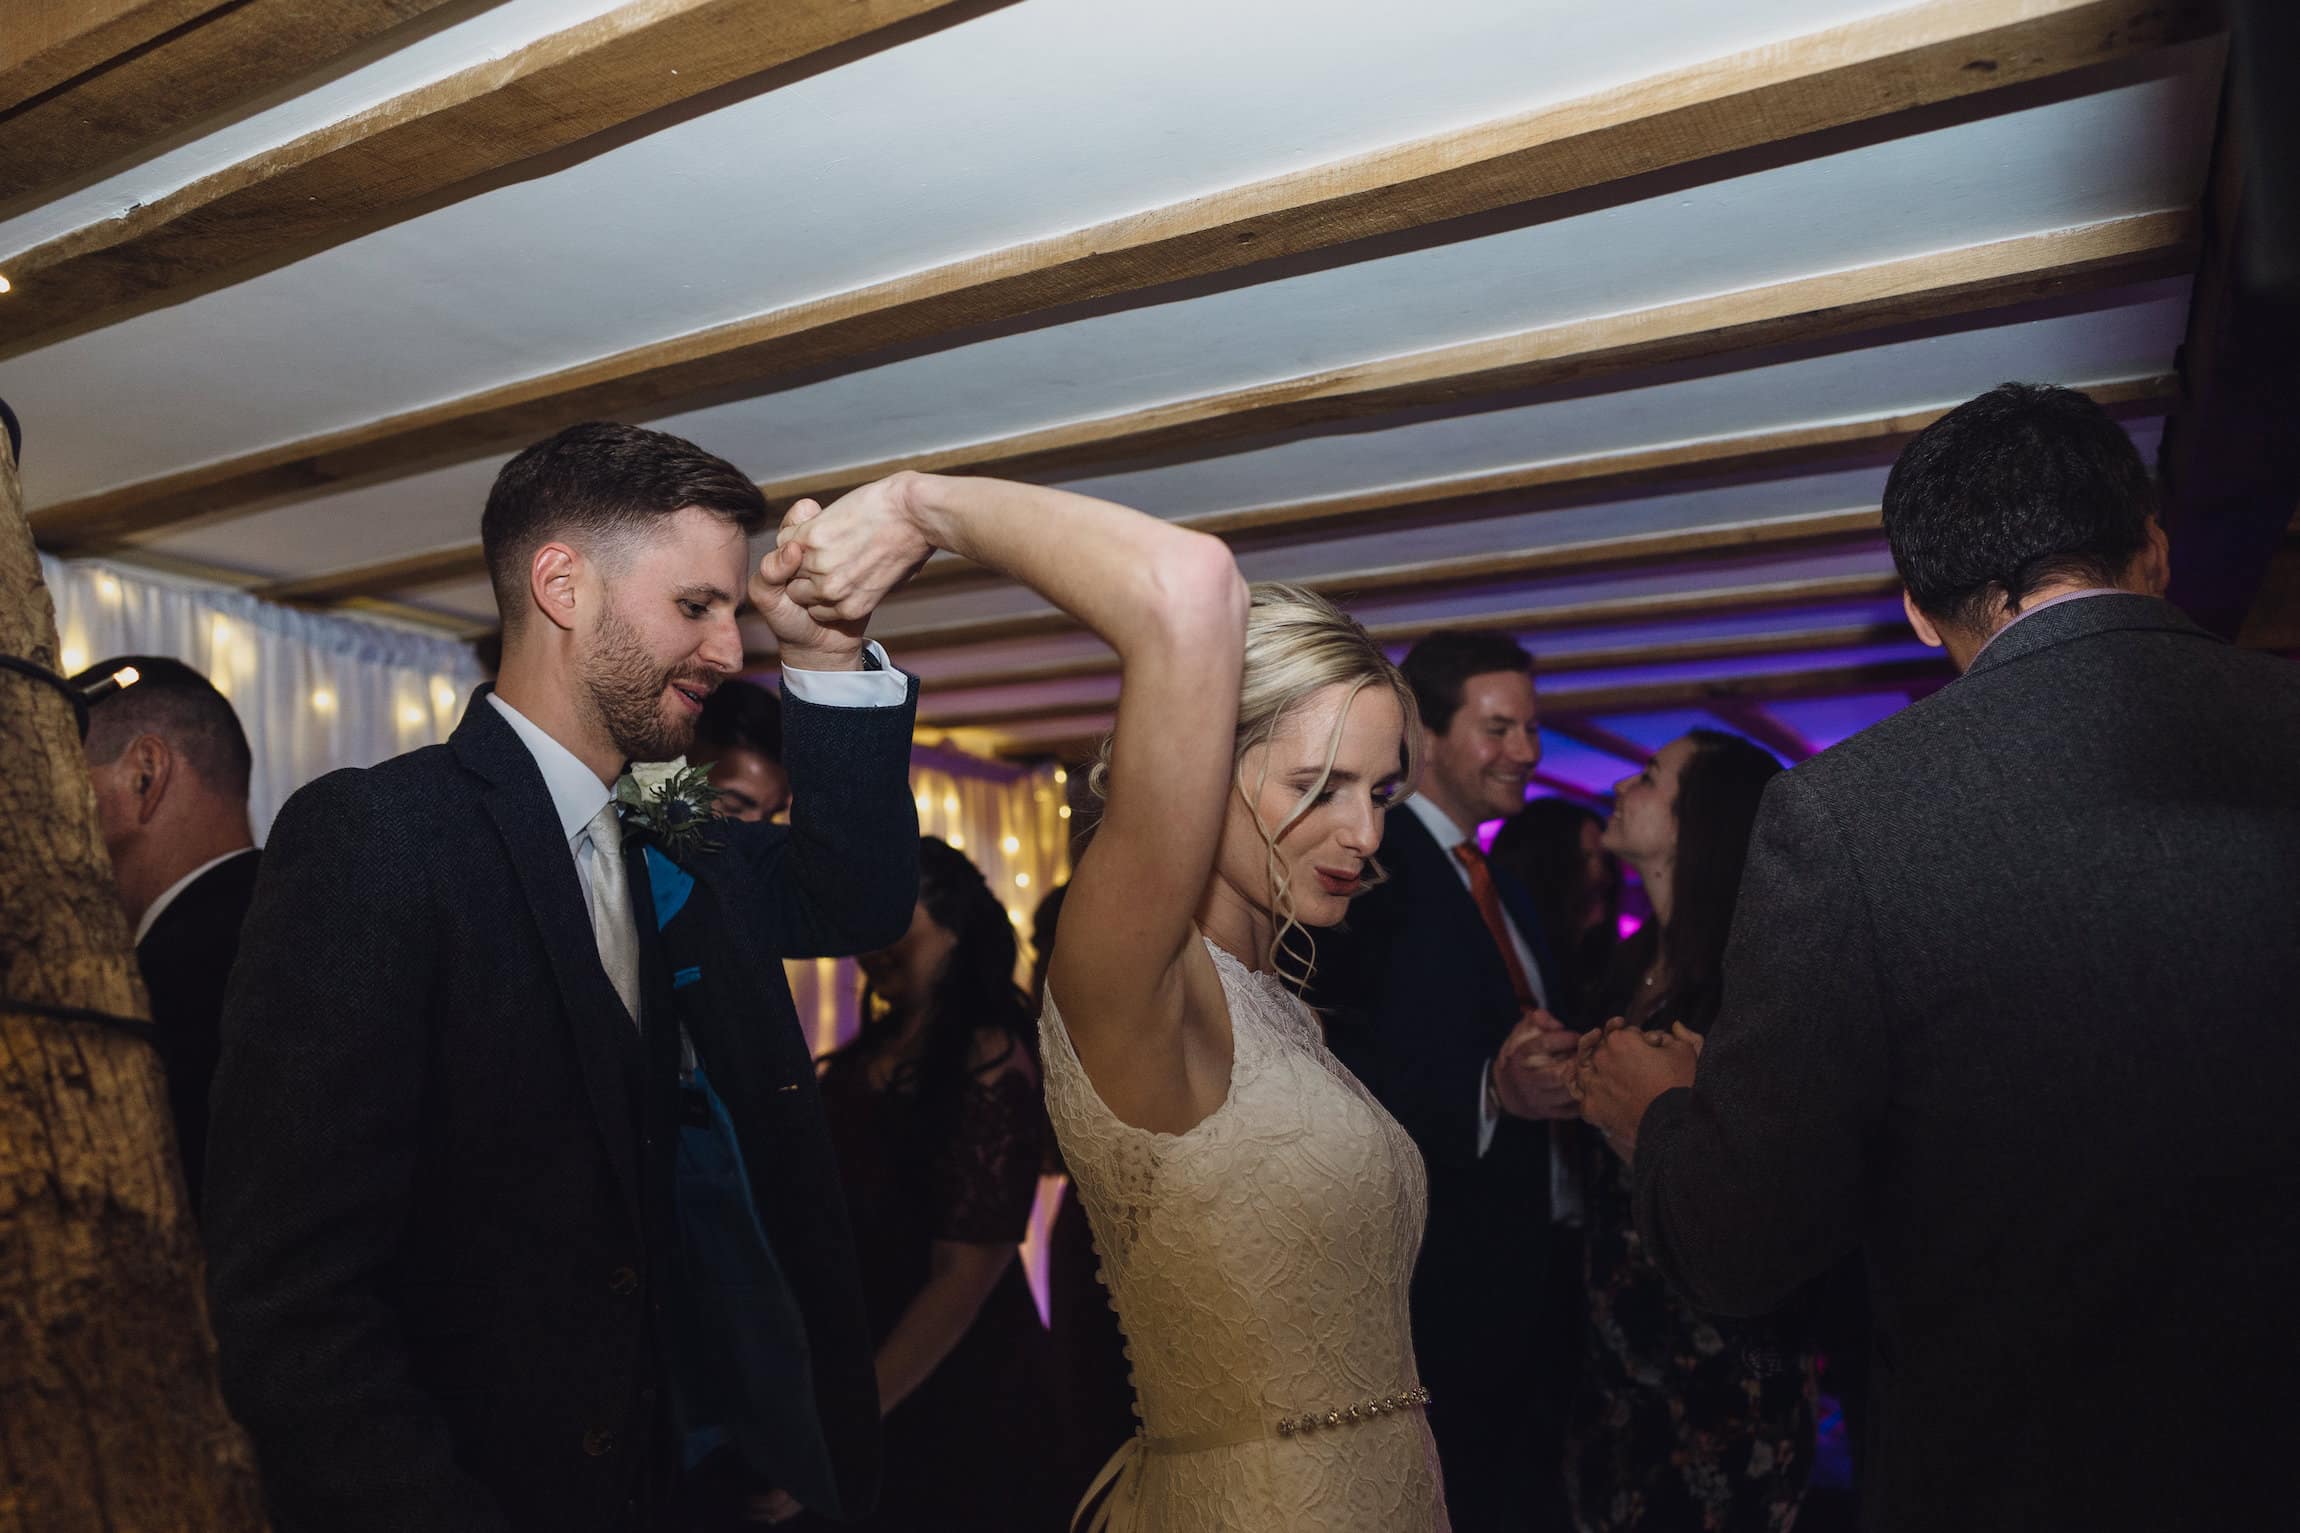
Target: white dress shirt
<point>151,915</point>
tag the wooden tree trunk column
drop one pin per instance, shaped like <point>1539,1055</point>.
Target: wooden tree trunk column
<point>110,1416</point>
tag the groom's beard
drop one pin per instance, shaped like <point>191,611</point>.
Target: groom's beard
<point>626,686</point>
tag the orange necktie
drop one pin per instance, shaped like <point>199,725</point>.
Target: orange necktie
<point>1488,900</point>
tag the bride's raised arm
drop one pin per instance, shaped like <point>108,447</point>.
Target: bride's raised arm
<point>1171,603</point>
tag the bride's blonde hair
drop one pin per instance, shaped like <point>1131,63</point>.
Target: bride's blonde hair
<point>1297,645</point>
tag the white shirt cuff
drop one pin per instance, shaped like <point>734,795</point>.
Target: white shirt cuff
<point>885,687</point>
<point>1487,1118</point>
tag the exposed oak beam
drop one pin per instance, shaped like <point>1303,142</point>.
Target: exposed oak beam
<point>406,155</point>
<point>1572,790</point>
<point>1752,720</point>
<point>948,705</point>
<point>1471,497</point>
<point>1582,481</point>
<point>1545,662</point>
<point>1833,681</point>
<point>1829,307</point>
<point>1778,95</point>
<point>414,572</point>
<point>48,42</point>
<point>1649,548</point>
<point>1598,738</point>
<point>1673,606</point>
<point>1652,697</point>
<point>188,60</point>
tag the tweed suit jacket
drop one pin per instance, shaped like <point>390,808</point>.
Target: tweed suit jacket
<point>438,1174</point>
<point>2012,1004</point>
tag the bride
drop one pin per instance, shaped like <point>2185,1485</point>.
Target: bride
<point>1257,1212</point>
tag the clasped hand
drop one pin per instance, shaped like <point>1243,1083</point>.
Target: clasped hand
<point>832,567</point>
<point>1533,1068</point>
<point>1619,1070</point>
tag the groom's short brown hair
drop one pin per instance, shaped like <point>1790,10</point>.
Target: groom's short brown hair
<point>601,480</point>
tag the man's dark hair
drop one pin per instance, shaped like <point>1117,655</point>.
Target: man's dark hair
<point>1439,666</point>
<point>606,481</point>
<point>2024,486</point>
<point>740,713</point>
<point>182,707</point>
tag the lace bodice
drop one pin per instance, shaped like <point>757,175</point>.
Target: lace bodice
<point>1259,1265</point>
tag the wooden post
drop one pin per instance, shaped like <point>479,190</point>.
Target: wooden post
<point>110,1416</point>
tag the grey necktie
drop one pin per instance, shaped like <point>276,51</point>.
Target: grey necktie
<point>600,859</point>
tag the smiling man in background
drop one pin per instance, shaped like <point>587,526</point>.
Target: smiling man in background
<point>1438,968</point>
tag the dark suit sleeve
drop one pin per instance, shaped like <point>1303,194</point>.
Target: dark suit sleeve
<point>1747,1184</point>
<point>1403,1028</point>
<point>311,1143</point>
<point>844,873</point>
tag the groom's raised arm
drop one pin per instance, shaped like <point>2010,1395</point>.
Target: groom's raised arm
<point>311,1151</point>
<point>844,872</point>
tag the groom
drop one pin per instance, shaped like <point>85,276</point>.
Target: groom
<point>519,1188</point>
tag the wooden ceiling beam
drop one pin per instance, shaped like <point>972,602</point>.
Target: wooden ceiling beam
<point>1832,681</point>
<point>1828,307</point>
<point>946,711</point>
<point>48,44</point>
<point>1648,548</point>
<point>1666,607</point>
<point>1598,738</point>
<point>1568,482</point>
<point>407,155</point>
<point>1537,487</point>
<point>1612,657</point>
<point>1572,790</point>
<point>1775,97</point>
<point>163,67</point>
<point>1651,697</point>
<point>1752,720</point>
<point>414,572</point>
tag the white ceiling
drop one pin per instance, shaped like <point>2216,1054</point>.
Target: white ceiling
<point>1046,116</point>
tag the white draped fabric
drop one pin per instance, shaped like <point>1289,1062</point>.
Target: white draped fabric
<point>314,691</point>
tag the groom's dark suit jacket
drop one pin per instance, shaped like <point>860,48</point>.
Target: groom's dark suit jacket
<point>1416,999</point>
<point>2013,1004</point>
<point>439,1170</point>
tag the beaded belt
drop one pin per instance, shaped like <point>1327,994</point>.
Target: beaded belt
<point>1120,1475</point>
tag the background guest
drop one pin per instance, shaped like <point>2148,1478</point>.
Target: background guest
<point>2010,1004</point>
<point>1093,1394</point>
<point>1435,971</point>
<point>941,1130</point>
<point>1685,1421</point>
<point>740,738</point>
<point>170,765</point>
<point>1555,849</point>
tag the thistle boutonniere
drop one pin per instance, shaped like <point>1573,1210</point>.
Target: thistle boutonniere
<point>673,800</point>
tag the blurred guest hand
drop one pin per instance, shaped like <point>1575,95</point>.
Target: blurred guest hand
<point>1533,1069</point>
<point>1621,1070</point>
<point>773,1507</point>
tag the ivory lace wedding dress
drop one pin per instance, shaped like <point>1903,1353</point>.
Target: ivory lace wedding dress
<point>1259,1264</point>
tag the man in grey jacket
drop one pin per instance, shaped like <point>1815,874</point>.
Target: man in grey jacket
<point>2013,1006</point>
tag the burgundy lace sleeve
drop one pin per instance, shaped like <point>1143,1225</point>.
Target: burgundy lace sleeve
<point>984,1187</point>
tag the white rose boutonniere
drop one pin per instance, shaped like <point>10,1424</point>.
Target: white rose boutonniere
<point>673,800</point>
